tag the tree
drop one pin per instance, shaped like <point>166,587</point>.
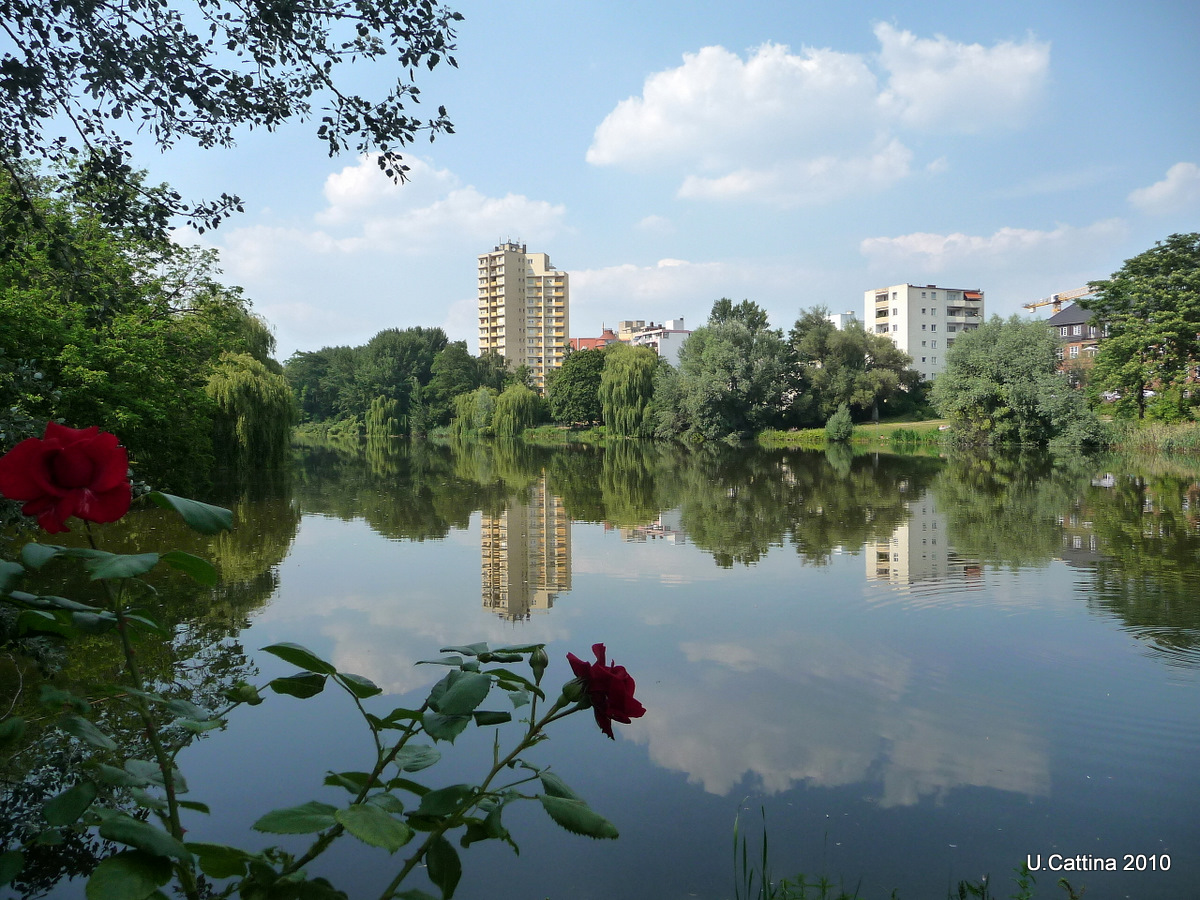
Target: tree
<point>129,338</point>
<point>1002,385</point>
<point>731,378</point>
<point>627,389</point>
<point>1151,309</point>
<point>573,389</point>
<point>454,371</point>
<point>850,367</point>
<point>77,77</point>
<point>517,408</point>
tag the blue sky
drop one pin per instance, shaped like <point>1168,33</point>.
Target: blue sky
<point>667,154</point>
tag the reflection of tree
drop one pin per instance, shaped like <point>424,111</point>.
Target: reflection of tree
<point>1005,508</point>
<point>1148,529</point>
<point>846,501</point>
<point>633,482</point>
<point>199,663</point>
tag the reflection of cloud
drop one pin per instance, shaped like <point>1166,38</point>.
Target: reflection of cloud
<point>802,708</point>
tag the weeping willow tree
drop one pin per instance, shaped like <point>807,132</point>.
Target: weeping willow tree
<point>516,409</point>
<point>382,418</point>
<point>253,420</point>
<point>473,412</point>
<point>626,389</point>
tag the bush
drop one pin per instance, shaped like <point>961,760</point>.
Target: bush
<point>840,426</point>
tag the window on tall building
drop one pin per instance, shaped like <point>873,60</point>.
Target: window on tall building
<point>895,328</point>
<point>932,311</point>
<point>922,326</point>
<point>922,310</point>
<point>895,311</point>
<point>922,343</point>
<point>933,344</point>
<point>933,328</point>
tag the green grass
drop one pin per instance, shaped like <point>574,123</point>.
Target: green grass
<point>925,432</point>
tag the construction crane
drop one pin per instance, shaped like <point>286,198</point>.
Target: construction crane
<point>1058,299</point>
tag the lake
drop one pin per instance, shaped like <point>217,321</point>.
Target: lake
<point>913,669</point>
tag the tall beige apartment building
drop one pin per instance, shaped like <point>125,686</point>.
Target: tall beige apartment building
<point>923,320</point>
<point>523,309</point>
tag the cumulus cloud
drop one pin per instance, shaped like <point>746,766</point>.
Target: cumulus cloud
<point>937,252</point>
<point>1179,191</point>
<point>374,254</point>
<point>808,127</point>
<point>941,84</point>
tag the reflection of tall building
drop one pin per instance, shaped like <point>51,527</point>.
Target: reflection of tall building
<point>918,552</point>
<point>526,555</point>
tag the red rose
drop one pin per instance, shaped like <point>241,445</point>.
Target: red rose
<point>68,472</point>
<point>609,688</point>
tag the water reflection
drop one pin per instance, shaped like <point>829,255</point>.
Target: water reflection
<point>526,554</point>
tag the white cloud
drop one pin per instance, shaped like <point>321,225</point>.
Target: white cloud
<point>801,182</point>
<point>941,84</point>
<point>1180,190</point>
<point>1006,247</point>
<point>376,254</point>
<point>809,127</point>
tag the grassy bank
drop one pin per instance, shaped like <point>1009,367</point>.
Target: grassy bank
<point>875,433</point>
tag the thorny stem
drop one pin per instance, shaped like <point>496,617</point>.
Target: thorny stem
<point>187,878</point>
<point>452,821</point>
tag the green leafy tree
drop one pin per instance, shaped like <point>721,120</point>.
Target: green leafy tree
<point>732,377</point>
<point>253,418</point>
<point>1151,310</point>
<point>454,371</point>
<point>517,408</point>
<point>1002,385</point>
<point>127,330</point>
<point>573,390</point>
<point>627,390</point>
<point>850,366</point>
<point>79,77</point>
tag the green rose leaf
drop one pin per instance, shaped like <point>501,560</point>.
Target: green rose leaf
<point>556,787</point>
<point>72,803</point>
<point>484,718</point>
<point>147,801</point>
<point>86,731</point>
<point>444,866</point>
<point>12,730</point>
<point>196,805</point>
<point>301,657</point>
<point>185,709</point>
<point>200,517</point>
<point>518,698</point>
<point>415,757</point>
<point>444,728</point>
<point>455,661</point>
<point>304,685</point>
<point>360,687</point>
<point>134,833</point>
<point>464,692</point>
<point>307,818</point>
<point>34,556</point>
<point>373,826</point>
<point>119,777</point>
<point>219,861</point>
<point>11,864</point>
<point>406,784</point>
<point>389,803</point>
<point>148,772</point>
<point>242,692</point>
<point>201,570</point>
<point>147,624</point>
<point>577,817</point>
<point>520,648</point>
<point>9,573</point>
<point>94,623</point>
<point>354,782</point>
<point>466,649</point>
<point>444,801</point>
<point>122,565</point>
<point>131,875</point>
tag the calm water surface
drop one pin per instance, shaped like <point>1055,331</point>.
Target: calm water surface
<point>917,669</point>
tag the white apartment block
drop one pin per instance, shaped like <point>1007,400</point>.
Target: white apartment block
<point>665,339</point>
<point>923,320</point>
<point>523,309</point>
